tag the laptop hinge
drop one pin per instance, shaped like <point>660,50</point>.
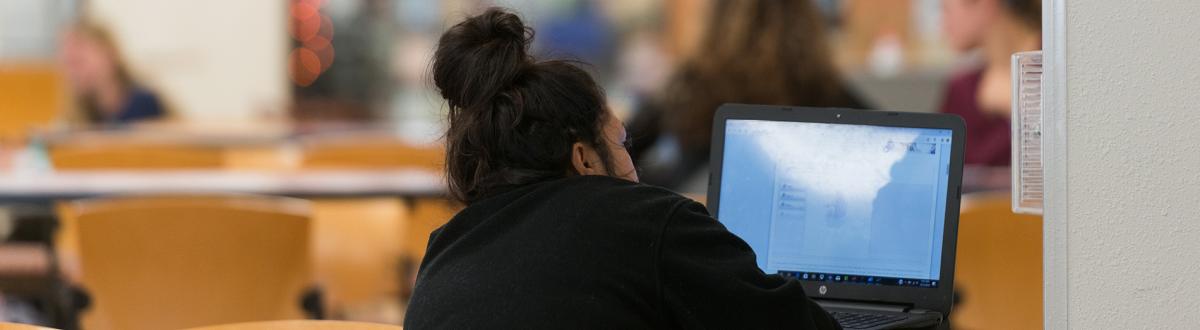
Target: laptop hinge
<point>882,307</point>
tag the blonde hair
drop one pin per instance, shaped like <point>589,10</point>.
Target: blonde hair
<point>86,111</point>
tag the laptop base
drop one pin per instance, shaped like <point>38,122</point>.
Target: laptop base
<point>878,316</point>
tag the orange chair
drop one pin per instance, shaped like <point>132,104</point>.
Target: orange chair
<point>18,326</point>
<point>31,97</point>
<point>363,246</point>
<point>428,215</point>
<point>118,151</point>
<point>184,261</point>
<point>368,151</point>
<point>999,268</point>
<point>357,256</point>
<point>302,325</point>
<point>132,152</point>
<point>375,151</point>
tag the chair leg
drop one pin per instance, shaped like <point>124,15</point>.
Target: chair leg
<point>313,303</point>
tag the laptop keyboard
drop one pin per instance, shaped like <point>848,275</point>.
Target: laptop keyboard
<point>864,321</point>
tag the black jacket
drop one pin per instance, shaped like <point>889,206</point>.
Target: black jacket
<point>598,252</point>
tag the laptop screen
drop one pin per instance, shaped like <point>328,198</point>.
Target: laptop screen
<point>836,202</point>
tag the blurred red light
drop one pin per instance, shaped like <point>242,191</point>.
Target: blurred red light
<point>326,27</point>
<point>316,43</point>
<point>304,29</point>
<point>304,66</point>
<point>314,31</point>
<point>301,10</point>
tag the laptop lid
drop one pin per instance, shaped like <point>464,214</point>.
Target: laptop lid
<point>858,205</point>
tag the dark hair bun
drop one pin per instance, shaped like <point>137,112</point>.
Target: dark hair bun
<point>480,57</point>
<point>513,120</point>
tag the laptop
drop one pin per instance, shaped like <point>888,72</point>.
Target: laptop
<point>860,206</point>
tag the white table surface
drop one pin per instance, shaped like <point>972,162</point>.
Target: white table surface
<point>330,183</point>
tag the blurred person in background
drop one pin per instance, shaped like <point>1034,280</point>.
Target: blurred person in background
<point>1018,28</point>
<point>103,89</point>
<point>980,92</point>
<point>759,52</point>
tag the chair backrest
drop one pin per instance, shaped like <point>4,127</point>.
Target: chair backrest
<point>31,96</point>
<point>356,245</point>
<point>121,151</point>
<point>999,267</point>
<point>303,325</point>
<point>183,261</point>
<point>368,151</point>
<point>18,326</point>
<point>428,215</point>
<point>359,261</point>
<point>98,151</point>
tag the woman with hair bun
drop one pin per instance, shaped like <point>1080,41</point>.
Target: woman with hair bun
<point>557,233</point>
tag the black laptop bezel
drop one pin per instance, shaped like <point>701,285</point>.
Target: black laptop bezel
<point>936,299</point>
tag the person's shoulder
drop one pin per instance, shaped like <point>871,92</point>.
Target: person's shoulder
<point>619,189</point>
<point>966,77</point>
<point>604,192</point>
<point>144,104</point>
<point>142,95</point>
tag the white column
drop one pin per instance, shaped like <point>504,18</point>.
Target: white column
<point>1123,199</point>
<point>212,60</point>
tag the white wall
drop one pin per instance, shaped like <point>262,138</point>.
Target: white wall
<point>1130,215</point>
<point>28,28</point>
<point>214,60</point>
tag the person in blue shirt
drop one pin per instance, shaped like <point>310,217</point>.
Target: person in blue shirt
<point>105,92</point>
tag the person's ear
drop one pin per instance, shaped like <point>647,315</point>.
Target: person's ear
<point>585,160</point>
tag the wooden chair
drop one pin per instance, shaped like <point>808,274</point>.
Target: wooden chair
<point>368,151</point>
<point>183,261</point>
<point>302,325</point>
<point>131,152</point>
<point>428,215</point>
<point>363,246</point>
<point>356,254</point>
<point>998,272</point>
<point>18,326</point>
<point>127,151</point>
<point>31,96</point>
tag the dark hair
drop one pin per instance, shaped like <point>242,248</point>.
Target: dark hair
<point>760,52</point>
<point>512,119</point>
<point>1028,12</point>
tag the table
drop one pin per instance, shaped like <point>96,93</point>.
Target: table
<point>409,183</point>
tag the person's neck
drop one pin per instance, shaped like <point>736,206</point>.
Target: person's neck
<point>1014,37</point>
<point>111,98</point>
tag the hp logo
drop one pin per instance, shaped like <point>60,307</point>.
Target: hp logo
<point>823,290</point>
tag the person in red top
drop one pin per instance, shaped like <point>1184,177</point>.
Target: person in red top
<point>980,94</point>
<point>988,134</point>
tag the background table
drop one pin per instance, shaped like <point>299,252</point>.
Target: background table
<point>409,183</point>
